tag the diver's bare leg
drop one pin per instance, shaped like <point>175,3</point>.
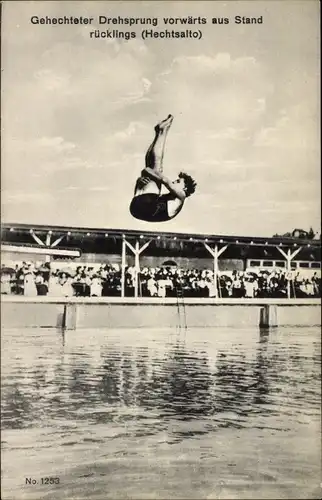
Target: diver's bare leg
<point>154,155</point>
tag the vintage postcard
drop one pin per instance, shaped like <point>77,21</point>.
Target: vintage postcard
<point>160,250</point>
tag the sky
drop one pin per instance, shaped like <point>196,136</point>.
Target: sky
<point>78,115</point>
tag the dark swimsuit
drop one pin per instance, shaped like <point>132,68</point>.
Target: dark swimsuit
<point>150,207</point>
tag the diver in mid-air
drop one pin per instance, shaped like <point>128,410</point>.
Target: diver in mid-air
<point>148,203</point>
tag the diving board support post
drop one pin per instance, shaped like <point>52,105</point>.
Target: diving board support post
<point>136,251</point>
<point>289,256</point>
<point>216,252</point>
<point>69,320</point>
<point>268,316</point>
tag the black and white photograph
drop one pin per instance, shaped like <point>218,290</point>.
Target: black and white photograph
<point>160,250</point>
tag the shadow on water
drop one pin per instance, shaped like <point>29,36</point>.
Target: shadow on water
<point>182,382</point>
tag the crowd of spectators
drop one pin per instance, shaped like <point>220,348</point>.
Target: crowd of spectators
<point>30,279</point>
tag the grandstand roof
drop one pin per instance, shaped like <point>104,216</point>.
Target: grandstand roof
<point>16,231</point>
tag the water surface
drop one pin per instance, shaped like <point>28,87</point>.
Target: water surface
<point>205,413</point>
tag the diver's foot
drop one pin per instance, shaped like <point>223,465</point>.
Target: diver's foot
<point>164,124</point>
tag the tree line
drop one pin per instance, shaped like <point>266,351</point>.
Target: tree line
<point>298,233</point>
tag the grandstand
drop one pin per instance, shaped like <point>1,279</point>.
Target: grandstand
<point>151,249</point>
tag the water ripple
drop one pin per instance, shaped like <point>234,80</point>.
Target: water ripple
<point>112,407</point>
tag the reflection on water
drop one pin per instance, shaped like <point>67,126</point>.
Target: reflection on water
<point>161,414</point>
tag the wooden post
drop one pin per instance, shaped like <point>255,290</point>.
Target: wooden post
<point>52,245</point>
<point>215,253</point>
<point>216,270</point>
<point>69,317</point>
<point>36,238</point>
<point>289,270</point>
<point>123,264</point>
<point>56,242</point>
<point>136,268</point>
<point>48,241</point>
<point>137,251</point>
<point>289,256</point>
<point>268,316</point>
